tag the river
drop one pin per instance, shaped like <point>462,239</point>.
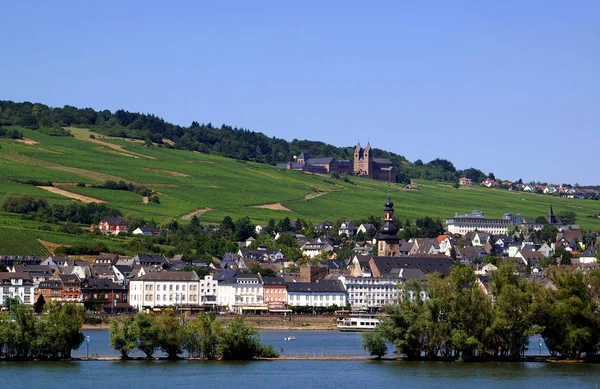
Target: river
<point>294,374</point>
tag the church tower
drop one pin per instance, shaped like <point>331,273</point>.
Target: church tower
<point>363,161</point>
<point>388,243</point>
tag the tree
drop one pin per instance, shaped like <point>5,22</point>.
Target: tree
<point>374,342</point>
<point>171,334</point>
<point>203,336</point>
<point>123,336</point>
<point>548,233</point>
<point>567,217</point>
<point>243,229</point>
<point>61,330</point>
<point>240,341</point>
<point>148,333</point>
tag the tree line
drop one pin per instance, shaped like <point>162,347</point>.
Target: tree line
<point>38,209</point>
<point>201,337</point>
<point>453,318</point>
<point>51,336</point>
<point>227,141</point>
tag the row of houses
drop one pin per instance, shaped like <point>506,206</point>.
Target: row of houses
<point>568,191</point>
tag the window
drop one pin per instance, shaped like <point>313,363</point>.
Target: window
<point>183,288</point>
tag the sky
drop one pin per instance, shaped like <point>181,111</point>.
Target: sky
<point>508,87</point>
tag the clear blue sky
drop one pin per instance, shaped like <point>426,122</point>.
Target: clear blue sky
<point>511,87</point>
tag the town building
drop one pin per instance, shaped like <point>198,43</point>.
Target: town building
<point>17,285</point>
<point>461,224</point>
<point>161,289</point>
<point>369,293</point>
<point>242,293</point>
<point>323,293</point>
<point>112,225</point>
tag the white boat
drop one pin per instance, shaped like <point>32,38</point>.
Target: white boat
<point>290,338</point>
<point>358,322</point>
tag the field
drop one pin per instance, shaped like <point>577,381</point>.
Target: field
<point>188,181</point>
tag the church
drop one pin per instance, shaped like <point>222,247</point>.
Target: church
<point>363,165</point>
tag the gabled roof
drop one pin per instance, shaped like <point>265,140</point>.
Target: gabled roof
<point>169,276</point>
<point>390,266</point>
<point>319,161</point>
<point>333,286</point>
<point>113,220</point>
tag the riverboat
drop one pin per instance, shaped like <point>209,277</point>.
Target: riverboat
<point>358,322</point>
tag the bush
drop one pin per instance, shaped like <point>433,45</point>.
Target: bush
<point>268,352</point>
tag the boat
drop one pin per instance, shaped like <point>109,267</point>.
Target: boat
<point>290,338</point>
<point>358,322</point>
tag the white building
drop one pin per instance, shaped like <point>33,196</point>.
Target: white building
<point>169,289</point>
<point>314,248</point>
<point>365,293</point>
<point>244,293</point>
<point>16,285</point>
<point>324,293</point>
<point>461,224</point>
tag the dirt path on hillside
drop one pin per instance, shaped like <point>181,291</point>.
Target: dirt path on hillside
<point>169,172</point>
<point>265,173</point>
<point>273,207</point>
<point>51,247</point>
<point>84,135</point>
<point>27,141</point>
<point>314,195</point>
<point>24,159</point>
<point>200,161</point>
<point>71,195</point>
<point>197,212</point>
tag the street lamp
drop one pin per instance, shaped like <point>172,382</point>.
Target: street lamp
<point>87,341</point>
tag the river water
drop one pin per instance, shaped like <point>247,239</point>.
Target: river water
<point>293,374</point>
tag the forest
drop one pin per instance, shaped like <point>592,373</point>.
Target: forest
<point>224,140</point>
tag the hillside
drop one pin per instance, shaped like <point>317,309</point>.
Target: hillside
<point>213,187</point>
<point>226,141</point>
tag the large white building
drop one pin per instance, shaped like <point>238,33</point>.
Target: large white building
<point>18,286</point>
<point>243,293</point>
<point>461,224</point>
<point>366,293</point>
<point>171,289</point>
<point>324,293</point>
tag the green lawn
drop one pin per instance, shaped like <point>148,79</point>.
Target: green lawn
<point>187,181</point>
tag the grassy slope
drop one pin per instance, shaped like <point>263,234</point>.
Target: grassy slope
<point>231,187</point>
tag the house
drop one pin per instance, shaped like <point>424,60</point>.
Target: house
<point>323,293</point>
<point>38,273</point>
<point>323,226</point>
<point>368,293</point>
<point>359,266</point>
<point>261,255</point>
<point>347,228</point>
<point>530,257</point>
<point>51,290</point>
<point>260,229</point>
<point>112,225</point>
<point>105,296</point>
<point>424,246</point>
<point>464,181</point>
<point>275,294</point>
<point>155,260</point>
<point>242,293</point>
<point>71,288</point>
<point>588,256</point>
<point>409,267</point>
<point>313,248</point>
<point>16,285</point>
<point>107,259</point>
<point>146,231</point>
<point>490,183</point>
<point>160,289</point>
<point>365,228</point>
<point>486,269</point>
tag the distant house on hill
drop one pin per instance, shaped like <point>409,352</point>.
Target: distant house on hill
<point>464,181</point>
<point>146,231</point>
<point>112,225</point>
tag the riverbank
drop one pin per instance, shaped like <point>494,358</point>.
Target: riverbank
<point>538,359</point>
<point>263,322</point>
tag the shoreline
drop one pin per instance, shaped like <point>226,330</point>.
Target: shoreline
<point>534,359</point>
